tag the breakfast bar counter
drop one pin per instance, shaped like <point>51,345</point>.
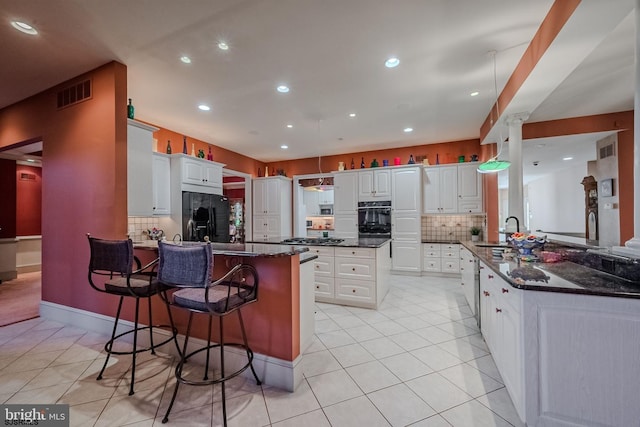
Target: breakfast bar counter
<point>280,324</point>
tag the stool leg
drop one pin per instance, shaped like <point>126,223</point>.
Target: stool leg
<point>153,348</point>
<point>224,398</point>
<point>249,352</point>
<point>109,345</point>
<point>135,347</point>
<point>206,365</point>
<point>174,330</point>
<point>183,360</point>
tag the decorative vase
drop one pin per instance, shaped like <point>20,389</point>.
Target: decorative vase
<point>475,237</point>
<point>340,166</point>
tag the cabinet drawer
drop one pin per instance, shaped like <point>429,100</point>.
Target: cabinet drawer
<point>431,264</point>
<point>355,252</point>
<point>451,254</point>
<point>451,266</point>
<point>355,268</point>
<point>321,250</point>
<point>324,286</point>
<point>430,253</point>
<point>431,247</point>
<point>450,247</point>
<point>323,266</point>
<point>360,290</point>
<point>469,206</point>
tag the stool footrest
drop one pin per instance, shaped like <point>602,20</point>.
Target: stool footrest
<point>109,345</point>
<point>184,380</point>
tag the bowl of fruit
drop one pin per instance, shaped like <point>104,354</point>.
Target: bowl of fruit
<point>526,243</point>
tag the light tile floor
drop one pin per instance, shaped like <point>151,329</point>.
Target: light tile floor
<point>419,360</point>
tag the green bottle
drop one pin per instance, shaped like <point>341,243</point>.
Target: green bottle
<point>130,110</point>
<point>169,146</point>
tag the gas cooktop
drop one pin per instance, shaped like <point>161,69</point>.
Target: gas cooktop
<point>313,241</point>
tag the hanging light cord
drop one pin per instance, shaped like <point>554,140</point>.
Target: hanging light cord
<point>495,89</point>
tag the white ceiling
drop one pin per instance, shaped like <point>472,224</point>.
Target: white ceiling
<point>331,53</point>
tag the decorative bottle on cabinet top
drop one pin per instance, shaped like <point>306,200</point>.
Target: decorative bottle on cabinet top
<point>193,149</point>
<point>130,110</point>
<point>184,145</point>
<point>209,155</point>
<point>411,160</point>
<point>362,166</point>
<point>353,165</point>
<point>168,146</point>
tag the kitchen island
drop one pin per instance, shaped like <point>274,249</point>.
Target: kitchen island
<point>353,272</point>
<point>280,325</point>
<point>565,337</point>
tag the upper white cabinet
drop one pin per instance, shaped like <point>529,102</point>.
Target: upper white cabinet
<point>345,193</point>
<point>469,188</point>
<point>325,197</point>
<point>440,189</point>
<point>139,168</point>
<point>190,173</point>
<point>406,194</point>
<point>161,184</point>
<point>374,184</point>
<point>452,189</point>
<point>272,207</point>
<point>311,202</point>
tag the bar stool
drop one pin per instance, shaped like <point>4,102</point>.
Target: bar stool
<point>114,259</point>
<point>187,269</point>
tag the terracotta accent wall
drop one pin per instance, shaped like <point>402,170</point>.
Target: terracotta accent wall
<point>28,200</point>
<point>84,179</point>
<point>8,198</point>
<point>231,159</point>
<point>625,184</point>
<point>447,152</point>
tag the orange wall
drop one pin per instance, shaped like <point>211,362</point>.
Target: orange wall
<point>28,201</point>
<point>84,179</point>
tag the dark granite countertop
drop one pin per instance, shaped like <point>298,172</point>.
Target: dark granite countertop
<point>566,276</point>
<point>307,256</point>
<point>236,249</point>
<point>366,242</point>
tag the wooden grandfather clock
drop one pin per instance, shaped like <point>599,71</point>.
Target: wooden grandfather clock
<point>590,208</point>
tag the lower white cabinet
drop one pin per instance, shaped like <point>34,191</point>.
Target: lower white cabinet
<point>406,256</point>
<point>468,273</point>
<point>345,226</point>
<point>351,275</point>
<point>440,258</point>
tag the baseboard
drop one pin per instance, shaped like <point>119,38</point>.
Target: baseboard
<point>31,268</point>
<point>283,374</point>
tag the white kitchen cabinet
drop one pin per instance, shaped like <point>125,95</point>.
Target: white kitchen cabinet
<point>374,184</point>
<point>345,226</point>
<point>345,194</point>
<point>406,191</point>
<point>469,188</point>
<point>161,184</point>
<point>468,271</point>
<point>325,197</point>
<point>441,258</point>
<point>190,173</point>
<point>139,168</point>
<point>310,199</point>
<point>272,207</point>
<point>406,256</point>
<point>440,194</point>
<point>406,219</point>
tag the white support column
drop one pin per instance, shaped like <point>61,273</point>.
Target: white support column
<point>632,246</point>
<point>516,203</point>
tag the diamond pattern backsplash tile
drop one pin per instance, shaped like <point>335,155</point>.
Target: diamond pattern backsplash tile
<point>452,227</point>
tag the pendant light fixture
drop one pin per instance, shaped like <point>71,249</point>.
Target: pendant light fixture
<point>493,164</point>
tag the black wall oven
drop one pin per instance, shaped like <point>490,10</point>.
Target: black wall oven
<point>374,219</point>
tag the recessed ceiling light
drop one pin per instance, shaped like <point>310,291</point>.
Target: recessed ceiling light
<point>567,158</point>
<point>223,46</point>
<point>392,62</point>
<point>407,130</point>
<point>289,125</point>
<point>282,89</point>
<point>204,107</point>
<point>284,147</point>
<point>185,59</point>
<point>31,161</point>
<point>352,115</point>
<point>474,94</point>
<point>25,28</point>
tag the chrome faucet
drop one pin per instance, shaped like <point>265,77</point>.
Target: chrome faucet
<point>517,222</point>
<point>177,236</point>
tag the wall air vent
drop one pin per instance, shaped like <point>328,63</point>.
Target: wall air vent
<point>607,151</point>
<point>73,94</point>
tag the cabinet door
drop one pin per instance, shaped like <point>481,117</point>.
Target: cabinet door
<point>325,197</point>
<point>406,256</point>
<point>139,170</point>
<point>382,184</point>
<point>366,185</point>
<point>469,189</point>
<point>406,228</point>
<point>161,185</point>
<point>345,193</point>
<point>192,172</point>
<point>449,189</point>
<point>346,226</point>
<point>431,190</point>
<point>311,202</point>
<point>212,175</point>
<point>272,196</point>
<point>259,207</point>
<point>406,191</point>
<point>324,286</point>
<point>511,365</point>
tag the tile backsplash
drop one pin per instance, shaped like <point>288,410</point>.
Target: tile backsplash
<point>452,227</point>
<point>138,226</point>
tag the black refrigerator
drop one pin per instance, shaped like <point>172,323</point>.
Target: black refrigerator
<point>205,215</point>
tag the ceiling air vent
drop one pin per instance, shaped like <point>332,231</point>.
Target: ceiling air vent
<point>74,94</point>
<point>607,151</point>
